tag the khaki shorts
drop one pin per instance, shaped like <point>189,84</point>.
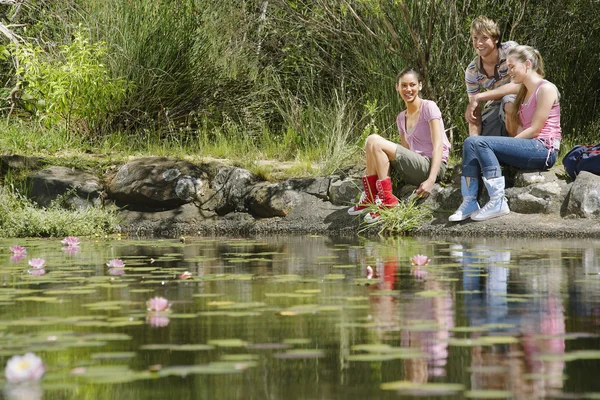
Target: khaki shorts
<point>413,168</point>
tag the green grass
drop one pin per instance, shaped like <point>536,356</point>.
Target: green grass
<point>409,215</point>
<point>19,217</point>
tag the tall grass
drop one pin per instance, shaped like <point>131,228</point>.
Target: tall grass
<point>19,217</point>
<point>231,76</point>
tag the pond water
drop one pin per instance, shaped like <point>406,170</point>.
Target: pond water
<point>305,317</point>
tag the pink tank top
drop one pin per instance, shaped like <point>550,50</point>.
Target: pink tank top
<point>551,130</point>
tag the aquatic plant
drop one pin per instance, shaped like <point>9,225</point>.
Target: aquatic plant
<point>37,263</point>
<point>158,304</point>
<point>408,215</point>
<point>115,263</point>
<point>70,241</point>
<point>36,272</point>
<point>186,275</point>
<point>18,250</point>
<point>419,260</point>
<point>28,367</point>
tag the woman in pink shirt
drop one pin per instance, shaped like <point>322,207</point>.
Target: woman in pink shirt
<point>421,158</point>
<point>535,145</point>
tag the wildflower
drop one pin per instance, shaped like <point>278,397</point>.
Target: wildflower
<point>158,304</point>
<point>70,241</point>
<point>419,260</point>
<point>24,368</point>
<point>115,263</point>
<point>17,250</point>
<point>37,263</point>
<point>186,275</point>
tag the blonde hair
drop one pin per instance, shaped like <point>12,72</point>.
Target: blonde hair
<point>524,53</point>
<point>483,24</point>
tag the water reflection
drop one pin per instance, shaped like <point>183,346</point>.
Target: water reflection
<point>308,317</point>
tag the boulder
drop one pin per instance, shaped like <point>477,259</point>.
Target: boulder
<point>584,196</point>
<point>229,189</point>
<point>157,183</point>
<point>268,200</point>
<point>318,187</point>
<point>17,162</point>
<point>344,192</point>
<point>76,188</point>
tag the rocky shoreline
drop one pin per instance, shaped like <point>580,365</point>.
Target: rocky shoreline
<point>158,196</point>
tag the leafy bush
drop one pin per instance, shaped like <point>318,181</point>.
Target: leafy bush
<point>73,87</point>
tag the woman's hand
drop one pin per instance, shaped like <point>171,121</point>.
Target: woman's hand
<point>425,188</point>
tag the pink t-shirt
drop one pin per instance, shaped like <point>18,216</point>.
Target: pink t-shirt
<point>551,129</point>
<point>419,140</point>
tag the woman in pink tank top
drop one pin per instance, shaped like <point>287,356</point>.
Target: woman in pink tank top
<point>420,158</point>
<point>534,147</point>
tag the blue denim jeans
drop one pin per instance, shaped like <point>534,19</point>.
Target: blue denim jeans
<point>484,154</point>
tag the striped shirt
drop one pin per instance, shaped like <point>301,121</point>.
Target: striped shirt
<point>478,81</point>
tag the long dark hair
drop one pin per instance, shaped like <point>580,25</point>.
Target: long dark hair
<point>523,53</point>
<point>409,70</point>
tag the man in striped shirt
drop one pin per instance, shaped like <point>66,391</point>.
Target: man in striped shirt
<point>491,93</point>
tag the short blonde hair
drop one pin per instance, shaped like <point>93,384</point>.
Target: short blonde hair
<point>483,24</point>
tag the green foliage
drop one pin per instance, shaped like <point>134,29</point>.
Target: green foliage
<point>409,215</point>
<point>19,217</point>
<point>225,74</point>
<point>73,87</point>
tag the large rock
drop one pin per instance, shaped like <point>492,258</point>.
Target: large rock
<point>267,200</point>
<point>316,186</point>
<point>17,162</point>
<point>584,196</point>
<point>157,183</point>
<point>75,187</point>
<point>229,189</point>
<point>344,192</point>
<point>544,196</point>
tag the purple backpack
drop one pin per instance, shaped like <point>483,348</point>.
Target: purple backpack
<point>582,158</point>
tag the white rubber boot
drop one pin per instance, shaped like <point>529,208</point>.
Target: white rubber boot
<point>497,206</point>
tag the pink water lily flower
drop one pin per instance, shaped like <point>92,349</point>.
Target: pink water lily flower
<point>37,272</point>
<point>37,263</point>
<point>115,263</point>
<point>186,275</point>
<point>158,304</point>
<point>70,241</point>
<point>17,250</point>
<point>420,260</point>
<point>24,368</point>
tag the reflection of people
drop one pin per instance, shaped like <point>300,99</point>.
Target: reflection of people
<point>432,342</point>
<point>488,81</point>
<point>543,331</point>
<point>421,157</point>
<point>534,147</point>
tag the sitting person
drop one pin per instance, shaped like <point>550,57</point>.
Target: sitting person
<point>489,88</point>
<point>421,158</point>
<point>534,147</point>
